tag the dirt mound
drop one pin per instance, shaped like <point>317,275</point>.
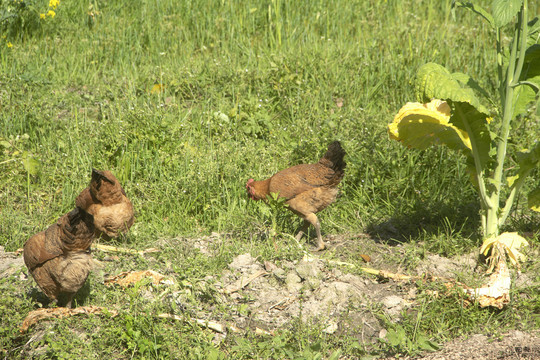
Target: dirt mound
<point>516,345</point>
<point>264,296</point>
<point>10,262</point>
<point>270,296</point>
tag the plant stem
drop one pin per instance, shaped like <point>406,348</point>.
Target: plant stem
<point>28,191</point>
<point>510,200</point>
<point>500,72</point>
<point>523,42</point>
<point>515,65</point>
<point>485,201</point>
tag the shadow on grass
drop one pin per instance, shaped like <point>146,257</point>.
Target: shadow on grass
<point>79,300</point>
<point>426,221</point>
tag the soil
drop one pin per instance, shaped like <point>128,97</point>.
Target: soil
<point>266,296</point>
<point>10,262</point>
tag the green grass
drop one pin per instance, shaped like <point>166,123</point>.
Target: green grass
<point>248,88</point>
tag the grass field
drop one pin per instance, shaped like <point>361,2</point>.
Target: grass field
<point>184,101</point>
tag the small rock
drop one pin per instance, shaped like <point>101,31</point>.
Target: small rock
<point>330,329</point>
<point>308,270</point>
<point>313,282</point>
<point>392,301</point>
<point>287,264</point>
<point>393,304</point>
<point>279,273</point>
<point>242,261</point>
<point>293,282</point>
<point>412,293</point>
<point>269,266</point>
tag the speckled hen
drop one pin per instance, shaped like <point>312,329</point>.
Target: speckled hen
<point>59,257</point>
<point>107,202</point>
<point>307,188</point>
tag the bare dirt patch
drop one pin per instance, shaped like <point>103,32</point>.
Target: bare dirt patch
<point>271,296</point>
<point>514,345</point>
<point>266,296</point>
<point>10,262</point>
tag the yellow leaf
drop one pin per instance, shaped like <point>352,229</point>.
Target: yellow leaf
<point>510,243</point>
<point>488,243</point>
<point>156,89</point>
<point>512,179</point>
<point>421,125</point>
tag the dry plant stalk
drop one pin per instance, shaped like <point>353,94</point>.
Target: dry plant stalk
<point>245,283</point>
<point>496,293</point>
<point>38,315</point>
<point>212,325</point>
<point>116,249</point>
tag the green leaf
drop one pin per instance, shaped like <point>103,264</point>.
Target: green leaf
<point>511,179</point>
<point>466,80</point>
<point>476,9</point>
<point>434,81</point>
<point>523,96</point>
<point>534,199</point>
<point>31,165</point>
<point>531,66</point>
<point>534,29</point>
<point>396,337</point>
<point>5,144</point>
<point>528,159</point>
<point>532,54</point>
<point>468,113</point>
<point>504,11</point>
<point>425,344</point>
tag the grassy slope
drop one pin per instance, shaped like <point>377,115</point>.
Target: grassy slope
<point>248,88</point>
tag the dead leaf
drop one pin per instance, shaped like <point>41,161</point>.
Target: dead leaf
<point>366,258</point>
<point>212,325</point>
<point>157,88</point>
<point>496,293</point>
<point>128,278</point>
<point>269,266</point>
<point>259,331</point>
<point>36,316</point>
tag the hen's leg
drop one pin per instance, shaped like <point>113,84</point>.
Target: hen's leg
<point>65,300</point>
<point>312,218</point>
<point>303,229</point>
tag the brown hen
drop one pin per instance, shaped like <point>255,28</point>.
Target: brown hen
<point>307,188</point>
<point>59,258</point>
<point>107,202</point>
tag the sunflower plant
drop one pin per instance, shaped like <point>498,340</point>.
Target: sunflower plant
<point>455,111</point>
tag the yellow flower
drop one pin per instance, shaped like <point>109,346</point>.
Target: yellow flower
<point>51,13</point>
<point>54,3</point>
<point>42,16</point>
<point>9,44</point>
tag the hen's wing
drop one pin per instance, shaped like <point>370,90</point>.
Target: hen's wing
<point>85,200</point>
<point>300,178</point>
<point>42,247</point>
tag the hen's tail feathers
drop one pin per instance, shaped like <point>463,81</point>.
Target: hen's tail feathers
<point>334,160</point>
